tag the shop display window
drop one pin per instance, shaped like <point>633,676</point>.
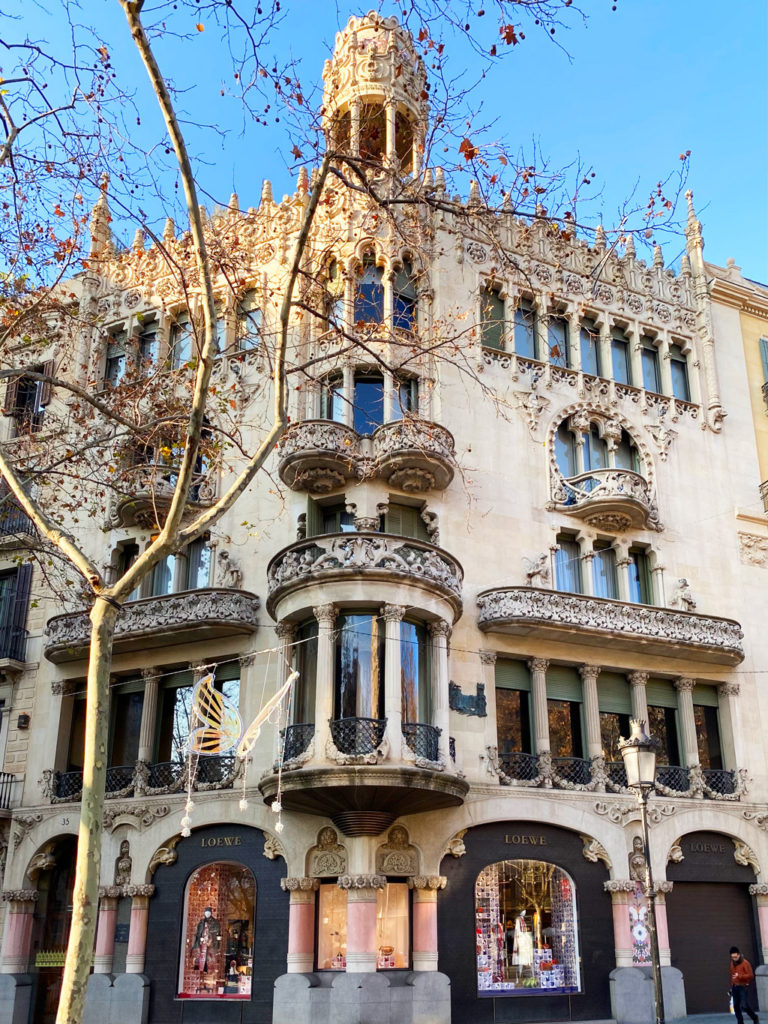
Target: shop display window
<point>332,928</point>
<point>392,926</point>
<point>526,933</point>
<point>217,937</point>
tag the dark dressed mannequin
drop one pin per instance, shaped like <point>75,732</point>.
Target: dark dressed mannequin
<point>206,946</point>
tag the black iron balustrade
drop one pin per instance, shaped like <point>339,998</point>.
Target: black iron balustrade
<point>452,748</point>
<point>720,781</point>
<point>357,735</point>
<point>166,773</point>
<point>520,766</point>
<point>673,777</point>
<point>575,770</point>
<point>13,644</point>
<point>218,769</point>
<point>617,773</point>
<point>7,782</point>
<point>119,777</point>
<point>69,785</point>
<point>15,522</point>
<point>422,739</point>
<point>296,738</point>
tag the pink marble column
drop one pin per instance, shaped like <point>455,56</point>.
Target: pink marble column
<point>662,931</point>
<point>760,892</point>
<point>137,937</point>
<point>362,891</point>
<point>622,893</point>
<point>17,942</point>
<point>105,929</point>
<point>425,921</point>
<point>301,923</point>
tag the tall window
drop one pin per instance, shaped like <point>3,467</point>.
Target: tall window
<point>525,329</point>
<point>26,399</point>
<point>589,338</point>
<point>369,294</point>
<point>14,603</point>
<point>334,519</point>
<point>332,399</point>
<point>565,451</point>
<point>526,930</point>
<point>181,342</point>
<point>373,132</point>
<point>415,673</point>
<point>148,346</point>
<point>360,653</point>
<point>564,728</point>
<point>405,398</point>
<point>492,317</point>
<point>627,455</point>
<point>614,699</point>
<point>332,927</point>
<point>639,571</point>
<point>568,565</point>
<point>217,948</point>
<point>679,368</point>
<point>125,707</point>
<point>662,719</point>
<point>707,727</point>
<point>604,571</point>
<point>248,322</point>
<point>368,411</point>
<point>403,521</point>
<point>595,450</point>
<point>117,358</point>
<point>334,295</point>
<point>513,711</point>
<point>174,719</point>
<point>404,143</point>
<point>558,341</point>
<point>650,360</point>
<point>392,927</point>
<point>303,698</point>
<point>194,570</point>
<point>622,370</point>
<point>404,298</point>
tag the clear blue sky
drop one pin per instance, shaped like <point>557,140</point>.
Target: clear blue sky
<point>637,87</point>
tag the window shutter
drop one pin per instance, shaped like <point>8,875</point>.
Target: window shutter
<point>705,695</point>
<point>563,683</point>
<point>660,693</point>
<point>21,599</point>
<point>46,387</point>
<point>613,693</point>
<point>11,396</point>
<point>512,675</point>
<point>314,519</point>
<point>764,357</point>
<point>393,522</point>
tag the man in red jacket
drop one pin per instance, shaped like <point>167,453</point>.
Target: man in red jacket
<point>742,977</point>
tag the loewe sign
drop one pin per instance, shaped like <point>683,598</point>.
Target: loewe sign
<point>222,841</point>
<point>526,840</point>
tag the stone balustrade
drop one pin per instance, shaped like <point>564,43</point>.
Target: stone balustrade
<point>610,498</point>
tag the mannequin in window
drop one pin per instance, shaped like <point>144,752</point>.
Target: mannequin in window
<point>205,948</point>
<point>522,951</point>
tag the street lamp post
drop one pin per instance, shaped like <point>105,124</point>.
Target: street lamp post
<point>639,752</point>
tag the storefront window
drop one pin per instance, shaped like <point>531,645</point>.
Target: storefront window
<point>392,944</point>
<point>526,932</point>
<point>332,928</point>
<point>217,951</point>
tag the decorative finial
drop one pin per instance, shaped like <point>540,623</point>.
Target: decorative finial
<point>169,231</point>
<point>100,220</point>
<point>629,247</point>
<point>474,193</point>
<point>234,203</point>
<point>138,240</point>
<point>439,181</point>
<point>302,185</point>
<point>428,180</point>
<point>266,191</point>
<point>658,255</point>
<point>600,238</point>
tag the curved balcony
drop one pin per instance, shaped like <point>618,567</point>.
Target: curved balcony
<point>370,556</point>
<point>148,490</point>
<point>319,456</point>
<point>414,455</point>
<point>186,617</point>
<point>577,618</point>
<point>614,499</point>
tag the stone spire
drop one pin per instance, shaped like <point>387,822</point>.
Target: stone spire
<point>101,235</point>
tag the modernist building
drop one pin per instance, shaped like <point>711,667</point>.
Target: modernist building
<point>509,523</point>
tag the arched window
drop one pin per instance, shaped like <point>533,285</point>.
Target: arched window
<point>595,450</point>
<point>369,294</point>
<point>373,132</point>
<point>565,451</point>
<point>217,935</point>
<point>627,455</point>
<point>404,143</point>
<point>404,298</point>
<point>334,296</point>
<point>526,930</point>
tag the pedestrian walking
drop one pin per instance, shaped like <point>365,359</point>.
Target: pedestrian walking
<point>742,977</point>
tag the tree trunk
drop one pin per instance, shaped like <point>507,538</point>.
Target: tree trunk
<point>85,902</point>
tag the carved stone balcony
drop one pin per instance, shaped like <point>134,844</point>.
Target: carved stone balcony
<point>412,455</point>
<point>191,615</point>
<point>373,556</point>
<point>147,493</point>
<point>613,499</point>
<point>319,456</point>
<point>553,615</point>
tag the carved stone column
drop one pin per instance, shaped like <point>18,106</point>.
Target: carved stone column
<point>440,631</point>
<point>17,941</point>
<point>574,337</point>
<point>637,682</point>
<point>665,369</point>
<point>389,112</point>
<point>594,743</point>
<point>354,127</point>
<point>148,715</point>
<point>488,663</point>
<point>393,696</point>
<point>684,689</point>
<point>727,702</point>
<point>362,892</point>
<point>105,929</point>
<point>286,632</point>
<point>538,667</point>
<point>137,936</point>
<point>301,923</point>
<point>760,892</point>
<point>662,930</point>
<point>326,616</point>
<point>348,394</point>
<point>425,920</point>
<point>622,893</point>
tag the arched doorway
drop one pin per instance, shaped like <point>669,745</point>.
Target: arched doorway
<point>708,911</point>
<point>53,917</point>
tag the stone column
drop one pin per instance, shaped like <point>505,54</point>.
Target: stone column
<point>286,633</point>
<point>760,892</point>
<point>148,715</point>
<point>17,941</point>
<point>662,931</point>
<point>637,681</point>
<point>594,743</point>
<point>137,936</point>
<point>425,920</point>
<point>324,684</point>
<point>354,127</point>
<point>440,631</point>
<point>665,371</point>
<point>362,891</point>
<point>393,686</point>
<point>635,354</point>
<point>623,567</point>
<point>587,558</point>
<point>488,670</point>
<point>389,113</point>
<point>727,702</point>
<point>348,394</point>
<point>684,689</point>
<point>538,667</point>
<point>622,892</point>
<point>301,923</point>
<point>105,929</point>
<point>574,338</point>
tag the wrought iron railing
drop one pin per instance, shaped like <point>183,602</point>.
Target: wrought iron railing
<point>422,739</point>
<point>69,785</point>
<point>720,781</point>
<point>13,644</point>
<point>674,777</point>
<point>219,769</point>
<point>13,521</point>
<point>575,770</point>
<point>7,785</point>
<point>617,773</point>
<point>296,738</point>
<point>517,765</point>
<point>166,773</point>
<point>119,777</point>
<point>357,735</point>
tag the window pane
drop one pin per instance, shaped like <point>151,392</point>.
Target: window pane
<point>526,930</point>
<point>604,573</point>
<point>525,331</point>
<point>626,456</point>
<point>331,928</point>
<point>175,723</point>
<point>565,451</point>
<point>217,957</point>
<point>392,926</point>
<point>405,398</point>
<point>639,578</point>
<point>249,322</point>
<point>359,667</point>
<point>415,673</point>
<point>620,361</point>
<point>369,296</point>
<point>198,565</point>
<point>492,319</point>
<point>650,359</point>
<point>148,347</point>
<point>595,451</point>
<point>404,299</point>
<point>662,724</point>
<point>564,728</point>
<point>513,721</point>
<point>557,340</point>
<point>303,698</point>
<point>162,576</point>
<point>332,400</point>
<point>369,404</point>
<point>679,367</point>
<point>126,719</point>
<point>568,566</point>
<point>708,735</point>
<point>181,343</point>
<point>612,728</point>
<point>590,348</point>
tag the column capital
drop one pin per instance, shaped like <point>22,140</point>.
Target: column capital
<point>110,892</point>
<point>637,678</point>
<point>685,684</point>
<point>427,882</point>
<point>488,657</point>
<point>150,675</point>
<point>538,664</point>
<point>198,670</point>
<point>304,884</point>
<point>325,613</point>
<point>286,630</point>
<point>20,895</point>
<point>393,612</point>
<point>589,672</point>
<point>362,887</point>
<point>728,690</point>
<point>440,628</point>
<point>139,894</point>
